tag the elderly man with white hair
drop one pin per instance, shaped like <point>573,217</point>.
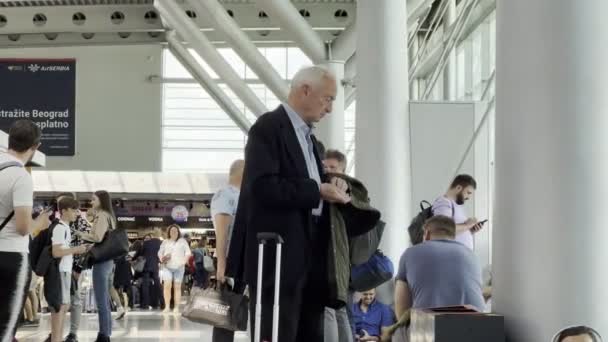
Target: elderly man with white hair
<point>285,191</point>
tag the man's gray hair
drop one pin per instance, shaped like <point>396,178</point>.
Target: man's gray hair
<point>312,75</point>
<point>236,166</point>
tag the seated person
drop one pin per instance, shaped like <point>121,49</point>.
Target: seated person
<point>439,272</point>
<point>369,317</point>
<point>578,334</point>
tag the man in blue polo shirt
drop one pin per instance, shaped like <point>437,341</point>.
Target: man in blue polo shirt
<point>223,211</point>
<point>370,316</point>
<point>439,272</point>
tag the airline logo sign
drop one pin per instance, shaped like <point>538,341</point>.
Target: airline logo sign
<point>47,68</point>
<point>53,108</point>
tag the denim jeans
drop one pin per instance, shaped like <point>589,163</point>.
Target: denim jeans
<point>75,308</point>
<point>101,278</point>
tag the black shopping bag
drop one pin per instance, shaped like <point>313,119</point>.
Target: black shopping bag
<point>220,308</point>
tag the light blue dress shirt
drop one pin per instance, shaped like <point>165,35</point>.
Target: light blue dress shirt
<point>304,132</point>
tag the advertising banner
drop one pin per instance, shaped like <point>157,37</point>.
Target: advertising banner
<point>44,91</point>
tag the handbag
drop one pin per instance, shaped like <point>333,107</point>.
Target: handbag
<point>364,246</point>
<point>208,262</point>
<point>375,272</point>
<point>139,264</point>
<point>114,244</point>
<point>221,308</point>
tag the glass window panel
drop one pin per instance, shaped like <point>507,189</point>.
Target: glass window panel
<point>227,122</point>
<point>296,59</point>
<point>199,161</point>
<point>278,59</point>
<point>461,77</point>
<point>204,133</point>
<point>234,60</point>
<point>172,67</point>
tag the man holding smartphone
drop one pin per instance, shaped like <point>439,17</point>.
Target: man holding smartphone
<point>452,205</point>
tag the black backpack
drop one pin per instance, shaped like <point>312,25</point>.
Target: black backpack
<point>40,245</point>
<point>416,228</point>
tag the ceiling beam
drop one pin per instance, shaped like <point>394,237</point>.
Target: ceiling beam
<point>207,82</point>
<point>290,20</point>
<point>242,45</point>
<point>136,18</point>
<point>175,18</point>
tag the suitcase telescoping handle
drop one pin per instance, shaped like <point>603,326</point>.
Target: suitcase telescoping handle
<point>263,239</point>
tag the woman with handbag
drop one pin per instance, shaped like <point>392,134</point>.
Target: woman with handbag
<point>103,222</point>
<point>173,254</point>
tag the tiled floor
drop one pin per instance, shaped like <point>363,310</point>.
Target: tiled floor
<point>145,325</point>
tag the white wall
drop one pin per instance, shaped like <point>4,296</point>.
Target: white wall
<point>440,133</point>
<point>118,112</point>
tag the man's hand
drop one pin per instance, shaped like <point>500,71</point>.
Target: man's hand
<point>333,194</point>
<point>166,258</point>
<point>340,184</point>
<point>477,227</point>
<point>366,337</point>
<point>471,222</point>
<point>80,249</point>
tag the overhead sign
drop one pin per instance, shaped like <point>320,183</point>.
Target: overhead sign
<point>135,222</point>
<point>44,91</point>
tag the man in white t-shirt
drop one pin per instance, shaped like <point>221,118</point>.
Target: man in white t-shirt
<point>223,210</point>
<point>61,239</point>
<point>452,205</point>
<point>16,200</point>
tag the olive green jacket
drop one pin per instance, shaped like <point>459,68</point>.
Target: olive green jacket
<point>347,221</point>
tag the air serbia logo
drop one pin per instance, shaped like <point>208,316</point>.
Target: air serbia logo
<point>34,67</point>
<point>49,68</point>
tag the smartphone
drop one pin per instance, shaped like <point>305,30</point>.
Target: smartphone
<point>482,222</point>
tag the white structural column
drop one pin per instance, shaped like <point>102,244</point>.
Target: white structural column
<point>176,18</point>
<point>242,45</point>
<point>382,131</point>
<point>450,70</point>
<point>550,258</point>
<point>330,130</point>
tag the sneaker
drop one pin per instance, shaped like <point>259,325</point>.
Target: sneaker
<point>120,313</point>
<point>166,310</point>
<point>31,324</point>
<point>176,311</point>
<point>71,338</point>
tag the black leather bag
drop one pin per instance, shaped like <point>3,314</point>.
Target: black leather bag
<point>114,244</point>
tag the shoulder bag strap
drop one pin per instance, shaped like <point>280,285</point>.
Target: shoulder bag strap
<point>453,210</point>
<point>7,220</point>
<point>10,216</point>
